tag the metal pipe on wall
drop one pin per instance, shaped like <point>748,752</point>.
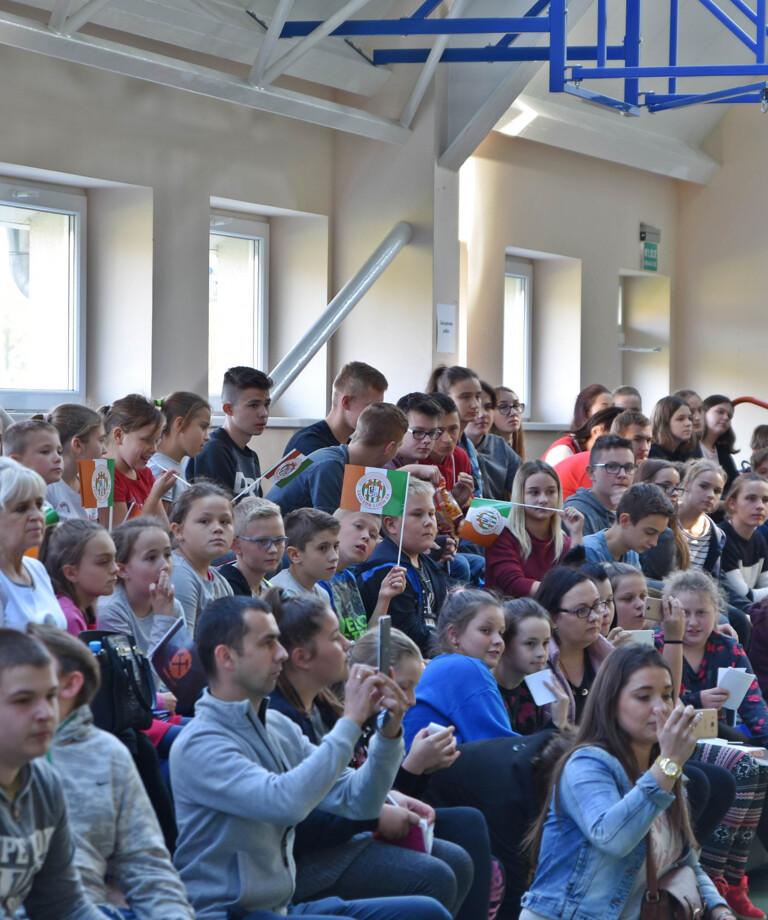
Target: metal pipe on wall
<point>342,304</point>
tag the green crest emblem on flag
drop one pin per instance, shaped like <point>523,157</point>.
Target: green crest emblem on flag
<point>101,484</point>
<point>487,521</point>
<point>373,492</point>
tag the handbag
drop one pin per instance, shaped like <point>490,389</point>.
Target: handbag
<point>126,697</point>
<point>675,896</point>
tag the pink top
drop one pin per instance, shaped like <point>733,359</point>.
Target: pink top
<point>74,615</point>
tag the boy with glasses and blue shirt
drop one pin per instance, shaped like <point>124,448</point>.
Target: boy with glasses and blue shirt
<point>258,546</point>
<point>642,515</point>
<point>612,470</point>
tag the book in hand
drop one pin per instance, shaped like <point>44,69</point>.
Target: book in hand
<point>177,664</point>
<point>419,837</point>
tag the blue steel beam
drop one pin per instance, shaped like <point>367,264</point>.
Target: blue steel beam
<point>633,39</point>
<point>558,39</point>
<point>674,28</point>
<point>491,54</point>
<point>729,24</point>
<point>537,8</point>
<point>682,70</point>
<point>662,102</point>
<point>426,8</point>
<point>608,101</point>
<point>468,26</point>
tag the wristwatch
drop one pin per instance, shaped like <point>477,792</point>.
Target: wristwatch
<point>669,767</point>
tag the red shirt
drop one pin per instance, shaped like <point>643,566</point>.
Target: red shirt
<point>133,490</point>
<point>455,463</point>
<point>508,572</point>
<point>573,473</point>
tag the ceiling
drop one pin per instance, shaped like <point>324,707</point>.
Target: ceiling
<point>231,49</point>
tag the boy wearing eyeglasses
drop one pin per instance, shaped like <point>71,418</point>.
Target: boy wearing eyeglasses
<point>642,515</point>
<point>258,546</point>
<point>611,469</point>
<point>423,415</point>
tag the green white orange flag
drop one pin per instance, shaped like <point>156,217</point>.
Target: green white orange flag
<point>97,483</point>
<point>377,491</point>
<point>287,469</point>
<point>485,520</point>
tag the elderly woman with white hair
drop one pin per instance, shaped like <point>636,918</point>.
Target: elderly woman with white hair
<point>26,593</point>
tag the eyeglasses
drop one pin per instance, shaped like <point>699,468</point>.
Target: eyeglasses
<point>583,612</point>
<point>266,543</point>
<point>668,488</point>
<point>508,408</point>
<point>420,433</point>
<point>613,468</point>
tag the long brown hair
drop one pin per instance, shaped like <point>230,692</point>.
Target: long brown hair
<point>600,728</point>
<point>516,439</point>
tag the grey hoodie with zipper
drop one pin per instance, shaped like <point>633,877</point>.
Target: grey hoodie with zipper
<point>114,827</point>
<point>37,868</point>
<point>243,780</point>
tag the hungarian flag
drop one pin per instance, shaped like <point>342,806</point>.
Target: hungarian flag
<point>484,521</point>
<point>287,469</point>
<point>97,483</point>
<point>377,491</point>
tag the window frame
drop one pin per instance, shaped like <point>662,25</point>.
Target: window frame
<point>73,202</point>
<point>519,267</point>
<point>247,227</point>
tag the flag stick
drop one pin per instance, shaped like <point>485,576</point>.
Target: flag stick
<point>180,479</point>
<point>250,488</point>
<point>130,508</point>
<point>535,507</point>
<point>111,517</point>
<point>402,526</point>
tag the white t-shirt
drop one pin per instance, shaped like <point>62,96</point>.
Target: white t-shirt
<point>67,503</point>
<point>35,603</point>
<point>158,465</point>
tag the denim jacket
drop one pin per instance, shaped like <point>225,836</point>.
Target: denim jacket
<point>594,845</point>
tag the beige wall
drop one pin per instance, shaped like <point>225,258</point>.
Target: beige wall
<point>720,321</point>
<point>536,197</point>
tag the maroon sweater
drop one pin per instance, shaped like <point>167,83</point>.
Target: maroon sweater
<point>506,570</point>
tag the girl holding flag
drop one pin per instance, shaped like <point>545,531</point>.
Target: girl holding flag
<point>533,540</point>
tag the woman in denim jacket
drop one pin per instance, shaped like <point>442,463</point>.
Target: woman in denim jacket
<point>620,781</point>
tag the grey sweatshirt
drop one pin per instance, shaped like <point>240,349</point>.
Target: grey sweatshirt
<point>596,516</point>
<point>113,824</point>
<point>37,866</point>
<point>499,464</point>
<point>242,780</point>
<point>192,592</point>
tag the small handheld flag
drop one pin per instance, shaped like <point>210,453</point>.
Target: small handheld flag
<point>287,469</point>
<point>377,491</point>
<point>97,483</point>
<point>485,520</point>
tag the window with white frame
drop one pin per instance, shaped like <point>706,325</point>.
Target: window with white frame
<point>516,358</point>
<point>237,296</point>
<point>42,296</point>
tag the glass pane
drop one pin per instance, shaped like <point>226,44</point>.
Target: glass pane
<point>36,290</point>
<point>515,357</point>
<point>233,304</point>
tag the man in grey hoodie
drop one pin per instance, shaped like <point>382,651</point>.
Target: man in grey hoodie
<point>612,470</point>
<point>37,869</point>
<point>243,776</point>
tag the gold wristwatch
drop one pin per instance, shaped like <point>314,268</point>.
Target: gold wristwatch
<point>669,767</point>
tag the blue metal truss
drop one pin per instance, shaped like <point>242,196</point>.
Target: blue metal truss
<point>549,17</point>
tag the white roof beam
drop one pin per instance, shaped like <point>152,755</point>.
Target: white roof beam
<point>79,18</point>
<point>59,14</point>
<point>306,44</point>
<point>270,41</point>
<point>428,71</point>
<point>89,51</point>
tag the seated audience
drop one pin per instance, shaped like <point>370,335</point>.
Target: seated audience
<point>450,459</point>
<point>187,430</point>
<point>533,540</point>
<point>498,461</point>
<point>672,427</point>
<point>258,545</point>
<point>636,428</point>
<point>590,400</point>
<point>39,873</point>
<point>226,458</point>
<point>697,413</point>
<point>572,471</point>
<point>233,793</point>
<point>416,610</point>
<point>744,563</point>
<point>702,487</point>
<point>423,415</point>
<point>312,547</point>
<point>611,468</point>
<point>628,398</point>
<point>82,436</point>
<point>718,439</point>
<point>463,386</point>
<point>116,835</point>
<point>508,420</point>
<point>35,443</point>
<point>377,438</point>
<point>671,550</point>
<point>356,386</point>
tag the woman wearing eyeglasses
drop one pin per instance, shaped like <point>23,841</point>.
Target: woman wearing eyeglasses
<point>498,461</point>
<point>573,602</point>
<point>508,420</point>
<point>671,551</point>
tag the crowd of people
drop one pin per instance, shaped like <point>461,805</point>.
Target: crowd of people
<point>632,567</point>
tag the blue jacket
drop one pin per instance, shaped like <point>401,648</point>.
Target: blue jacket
<point>459,691</point>
<point>594,846</point>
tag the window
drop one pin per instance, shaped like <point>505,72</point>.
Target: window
<point>237,297</point>
<point>42,323</point>
<point>516,358</point>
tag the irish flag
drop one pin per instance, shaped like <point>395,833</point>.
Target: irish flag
<point>97,483</point>
<point>377,491</point>
<point>287,469</point>
<point>484,521</point>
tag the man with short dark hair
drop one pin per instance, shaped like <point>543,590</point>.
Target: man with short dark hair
<point>244,776</point>
<point>612,469</point>
<point>37,869</point>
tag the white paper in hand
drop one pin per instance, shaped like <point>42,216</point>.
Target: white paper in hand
<point>736,681</point>
<point>541,694</point>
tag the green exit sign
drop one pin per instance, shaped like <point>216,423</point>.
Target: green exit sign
<point>650,256</point>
